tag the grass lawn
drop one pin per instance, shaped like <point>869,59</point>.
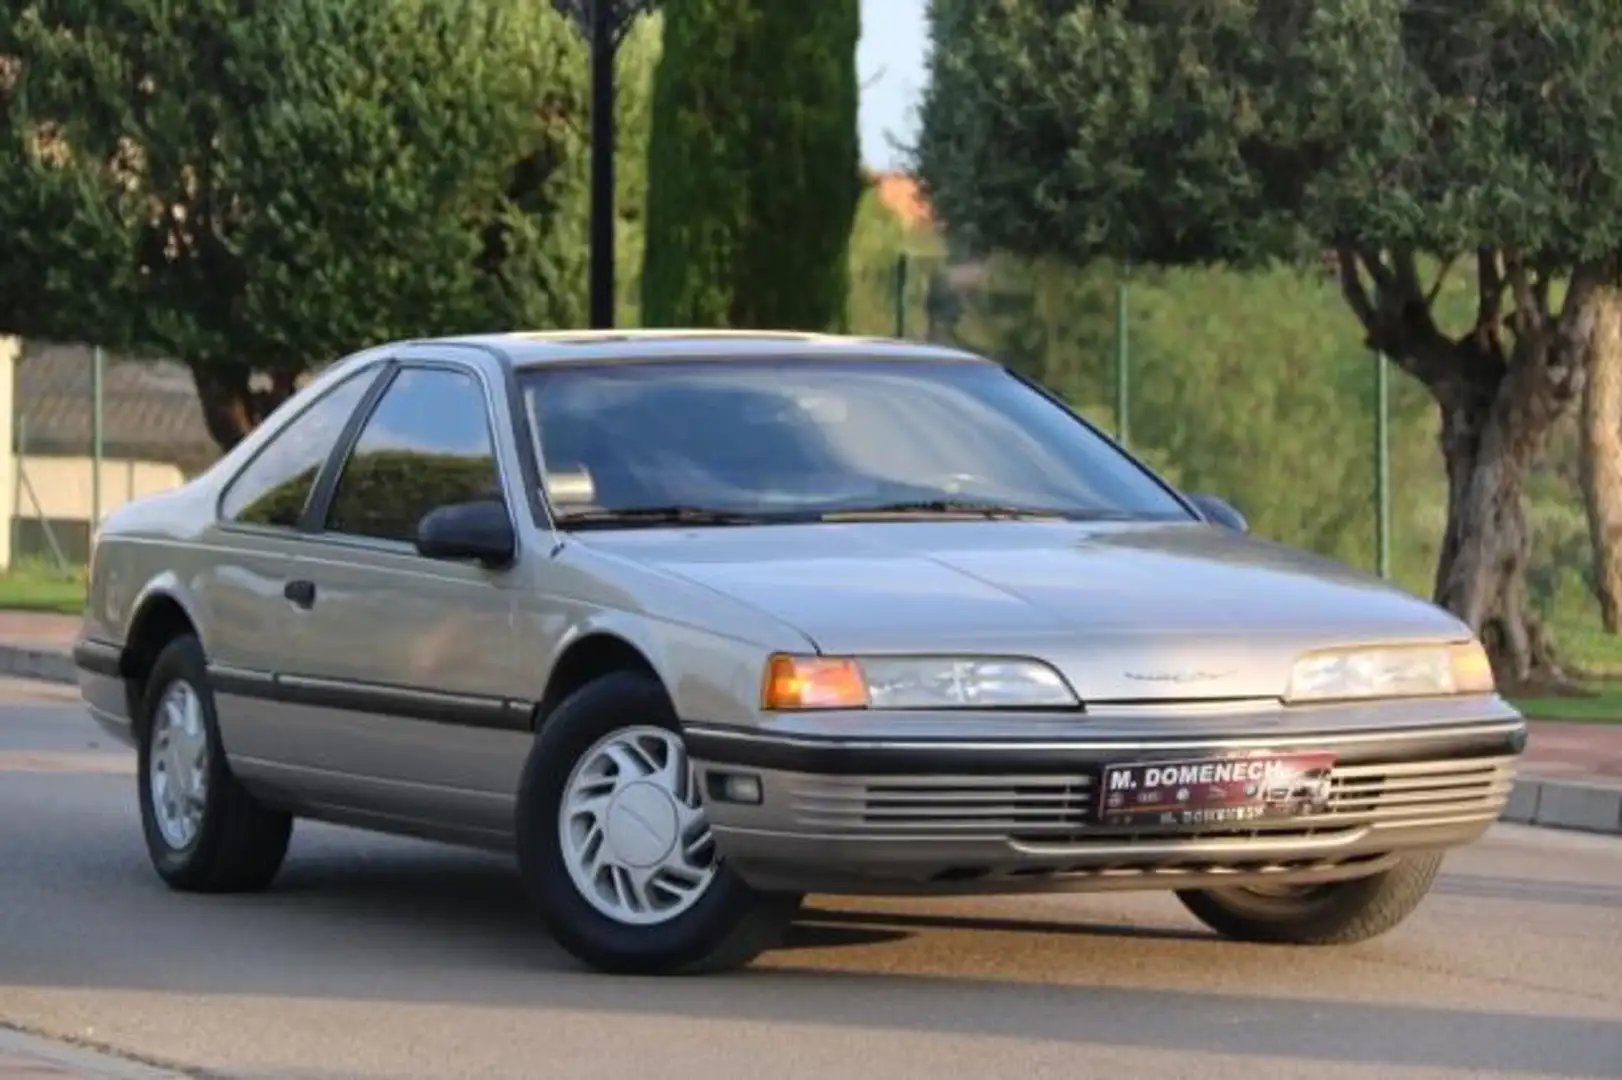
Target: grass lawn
<point>1602,706</point>
<point>42,586</point>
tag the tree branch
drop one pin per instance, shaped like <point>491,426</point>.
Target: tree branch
<point>1490,288</point>
<point>1526,319</point>
<point>1351,287</point>
<point>1405,267</point>
<point>1441,279</point>
<point>1540,290</point>
<point>1488,330</point>
<point>1396,315</point>
<point>1385,282</point>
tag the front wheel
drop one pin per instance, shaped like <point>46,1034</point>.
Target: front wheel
<point>616,849</point>
<point>1334,913</point>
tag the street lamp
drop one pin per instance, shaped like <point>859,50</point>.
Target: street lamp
<point>604,23</point>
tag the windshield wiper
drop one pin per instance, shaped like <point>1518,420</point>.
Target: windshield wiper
<point>651,516</point>
<point>948,507</point>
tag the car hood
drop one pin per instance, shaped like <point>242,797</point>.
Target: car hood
<point>1127,611</point>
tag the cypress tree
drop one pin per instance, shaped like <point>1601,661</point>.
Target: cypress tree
<point>753,165</point>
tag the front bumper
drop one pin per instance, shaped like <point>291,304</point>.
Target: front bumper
<point>933,803</point>
<point>103,688</point>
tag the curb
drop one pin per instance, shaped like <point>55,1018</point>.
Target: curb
<point>1565,804</point>
<point>32,1057</point>
<point>1554,804</point>
<point>43,665</point>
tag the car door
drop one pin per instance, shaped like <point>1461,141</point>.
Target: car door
<point>251,552</point>
<point>407,666</point>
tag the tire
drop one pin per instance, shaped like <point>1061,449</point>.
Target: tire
<point>719,925</point>
<point>235,845</point>
<point>1337,913</point>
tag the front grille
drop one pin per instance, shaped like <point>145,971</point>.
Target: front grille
<point>946,805</point>
<point>1058,809</point>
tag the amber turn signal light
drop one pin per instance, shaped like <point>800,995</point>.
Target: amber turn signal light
<point>813,682</point>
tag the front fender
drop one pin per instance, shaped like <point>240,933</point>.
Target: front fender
<point>708,676</point>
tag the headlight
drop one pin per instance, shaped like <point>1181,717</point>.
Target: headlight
<point>1391,672</point>
<point>897,682</point>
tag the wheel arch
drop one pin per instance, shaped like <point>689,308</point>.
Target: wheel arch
<point>590,655</point>
<point>161,613</point>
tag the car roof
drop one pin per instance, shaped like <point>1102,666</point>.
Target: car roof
<point>528,349</point>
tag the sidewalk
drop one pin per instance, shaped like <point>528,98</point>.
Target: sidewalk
<point>1570,778</point>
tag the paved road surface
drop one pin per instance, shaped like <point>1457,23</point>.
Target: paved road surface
<point>382,958</point>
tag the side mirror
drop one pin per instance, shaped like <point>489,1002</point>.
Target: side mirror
<point>479,530</point>
<point>1218,512</point>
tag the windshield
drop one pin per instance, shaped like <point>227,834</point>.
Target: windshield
<point>749,441</point>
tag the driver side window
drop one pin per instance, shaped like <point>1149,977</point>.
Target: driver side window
<point>427,444</point>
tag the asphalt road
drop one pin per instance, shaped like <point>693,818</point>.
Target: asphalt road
<point>383,958</point>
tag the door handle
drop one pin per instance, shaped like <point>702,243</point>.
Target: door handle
<point>301,593</point>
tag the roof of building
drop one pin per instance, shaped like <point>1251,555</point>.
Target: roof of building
<point>901,193</point>
<point>149,407</point>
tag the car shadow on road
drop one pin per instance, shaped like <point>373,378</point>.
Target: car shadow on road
<point>1518,890</point>
<point>418,924</point>
<point>895,921</point>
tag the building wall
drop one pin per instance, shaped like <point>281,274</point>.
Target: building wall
<point>55,500</point>
<point>48,501</point>
<point>63,488</point>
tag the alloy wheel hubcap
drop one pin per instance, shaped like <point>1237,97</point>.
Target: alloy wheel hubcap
<point>177,766</point>
<point>635,838</point>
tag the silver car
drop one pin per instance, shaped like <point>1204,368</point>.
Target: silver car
<point>695,623</point>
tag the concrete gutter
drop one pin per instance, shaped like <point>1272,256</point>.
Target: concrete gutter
<point>1555,804</point>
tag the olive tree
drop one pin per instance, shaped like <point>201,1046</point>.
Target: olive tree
<point>1388,138</point>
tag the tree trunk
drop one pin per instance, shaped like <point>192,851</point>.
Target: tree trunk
<point>236,398</point>
<point>1601,457</point>
<point>1493,424</point>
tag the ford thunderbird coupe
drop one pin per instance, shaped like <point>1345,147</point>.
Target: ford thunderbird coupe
<point>694,623</point>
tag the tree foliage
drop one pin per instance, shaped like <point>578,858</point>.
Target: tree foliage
<point>255,189</point>
<point>752,165</point>
<point>1192,132</point>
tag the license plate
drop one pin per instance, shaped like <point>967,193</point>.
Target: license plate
<point>1215,791</point>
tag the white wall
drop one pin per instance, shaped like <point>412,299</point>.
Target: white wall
<point>65,486</point>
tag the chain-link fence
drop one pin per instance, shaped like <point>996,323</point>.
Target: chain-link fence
<point>89,432</point>
<point>1255,387</point>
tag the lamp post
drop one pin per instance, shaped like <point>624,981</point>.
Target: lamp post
<point>604,24</point>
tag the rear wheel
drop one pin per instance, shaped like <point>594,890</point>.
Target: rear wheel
<point>1334,913</point>
<point>615,846</point>
<point>204,832</point>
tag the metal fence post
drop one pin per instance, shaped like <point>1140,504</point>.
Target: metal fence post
<point>901,295</point>
<point>1382,464</point>
<point>95,438</point>
<point>20,439</point>
<point>1123,410</point>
